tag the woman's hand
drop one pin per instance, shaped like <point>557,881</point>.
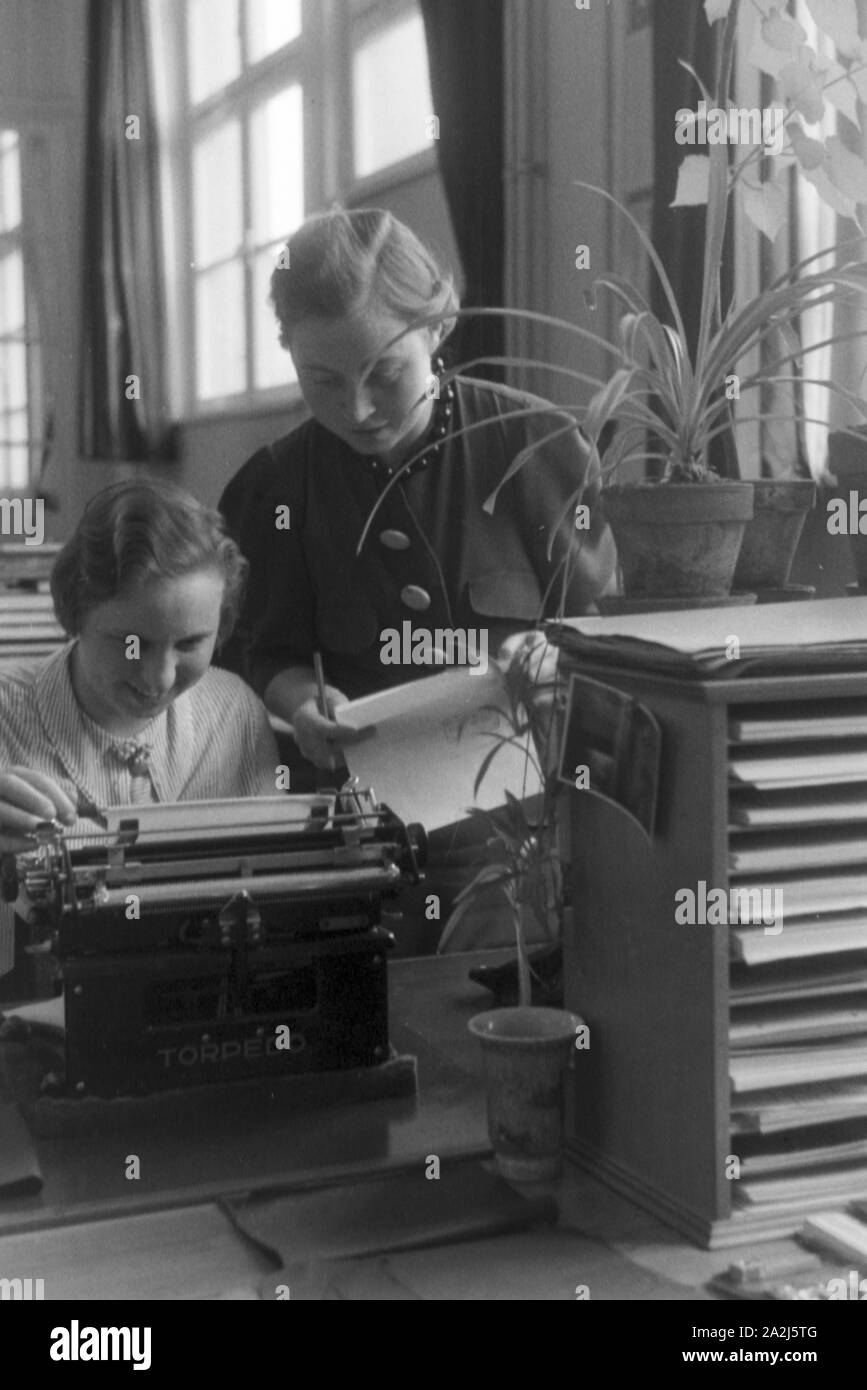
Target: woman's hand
<point>319,738</point>
<point>528,660</point>
<point>26,798</point>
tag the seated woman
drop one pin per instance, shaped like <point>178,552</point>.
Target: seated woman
<point>131,710</point>
<point>351,284</point>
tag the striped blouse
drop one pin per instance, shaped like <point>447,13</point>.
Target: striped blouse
<point>213,741</point>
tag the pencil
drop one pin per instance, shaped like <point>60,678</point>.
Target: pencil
<point>324,703</point>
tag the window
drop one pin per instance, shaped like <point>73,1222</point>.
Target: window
<point>390,89</point>
<point>247,182</point>
<point>281,107</point>
<point>18,347</point>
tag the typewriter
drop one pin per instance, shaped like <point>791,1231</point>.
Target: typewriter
<point>212,941</point>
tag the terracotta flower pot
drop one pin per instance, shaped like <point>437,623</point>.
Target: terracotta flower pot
<point>771,538</point>
<point>526,1050</point>
<point>847,460</point>
<point>678,539</point>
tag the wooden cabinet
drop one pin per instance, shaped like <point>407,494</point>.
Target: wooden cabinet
<point>650,1103</point>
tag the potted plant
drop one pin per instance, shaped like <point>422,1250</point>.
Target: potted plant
<point>526,1046</point>
<point>669,403</point>
<point>771,538</point>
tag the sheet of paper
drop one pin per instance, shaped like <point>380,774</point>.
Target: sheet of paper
<point>769,1024</point>
<point>219,819</point>
<point>432,736</point>
<point>811,1190</point>
<point>767,1112</point>
<point>798,806</point>
<point>817,897</point>
<point>794,1066</point>
<point>755,946</point>
<point>799,767</point>
<point>769,853</point>
<point>838,721</point>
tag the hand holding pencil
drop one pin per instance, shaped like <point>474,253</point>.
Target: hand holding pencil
<point>317,733</point>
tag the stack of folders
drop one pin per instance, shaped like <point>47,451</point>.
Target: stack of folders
<point>797,843</point>
<point>28,627</point>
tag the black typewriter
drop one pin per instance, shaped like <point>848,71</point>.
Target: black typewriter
<point>219,940</point>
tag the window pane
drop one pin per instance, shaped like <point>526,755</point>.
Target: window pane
<point>10,183</point>
<point>391,96</point>
<point>277,166</point>
<point>214,45</point>
<point>13,375</point>
<point>272,364</point>
<point>15,427</point>
<point>270,24</point>
<point>220,350</point>
<point>217,195</point>
<point>11,293</point>
<point>14,463</point>
<point>19,466</point>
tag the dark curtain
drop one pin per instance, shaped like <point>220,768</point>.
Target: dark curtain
<point>681,30</point>
<point>465,54</point>
<point>123,279</point>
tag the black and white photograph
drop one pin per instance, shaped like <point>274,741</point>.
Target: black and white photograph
<point>433,669</point>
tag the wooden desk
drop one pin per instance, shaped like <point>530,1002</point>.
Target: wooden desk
<point>93,1234</point>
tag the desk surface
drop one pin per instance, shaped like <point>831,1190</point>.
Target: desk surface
<point>92,1233</point>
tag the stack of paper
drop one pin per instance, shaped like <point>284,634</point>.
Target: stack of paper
<point>726,642</point>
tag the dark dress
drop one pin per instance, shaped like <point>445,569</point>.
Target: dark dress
<point>308,590</point>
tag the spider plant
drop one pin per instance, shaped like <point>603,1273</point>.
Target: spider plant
<point>660,390</point>
<point>523,860</point>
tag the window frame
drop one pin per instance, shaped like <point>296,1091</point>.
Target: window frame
<point>15,240</point>
<point>321,59</point>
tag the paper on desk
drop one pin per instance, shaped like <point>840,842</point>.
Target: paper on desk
<point>431,738</point>
<point>791,635</point>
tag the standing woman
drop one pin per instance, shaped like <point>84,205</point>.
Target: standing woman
<point>349,284</point>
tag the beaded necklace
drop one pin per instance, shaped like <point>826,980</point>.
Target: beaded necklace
<point>437,431</point>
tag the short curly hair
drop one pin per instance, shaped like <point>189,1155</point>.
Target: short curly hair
<point>135,531</point>
<point>339,260</point>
